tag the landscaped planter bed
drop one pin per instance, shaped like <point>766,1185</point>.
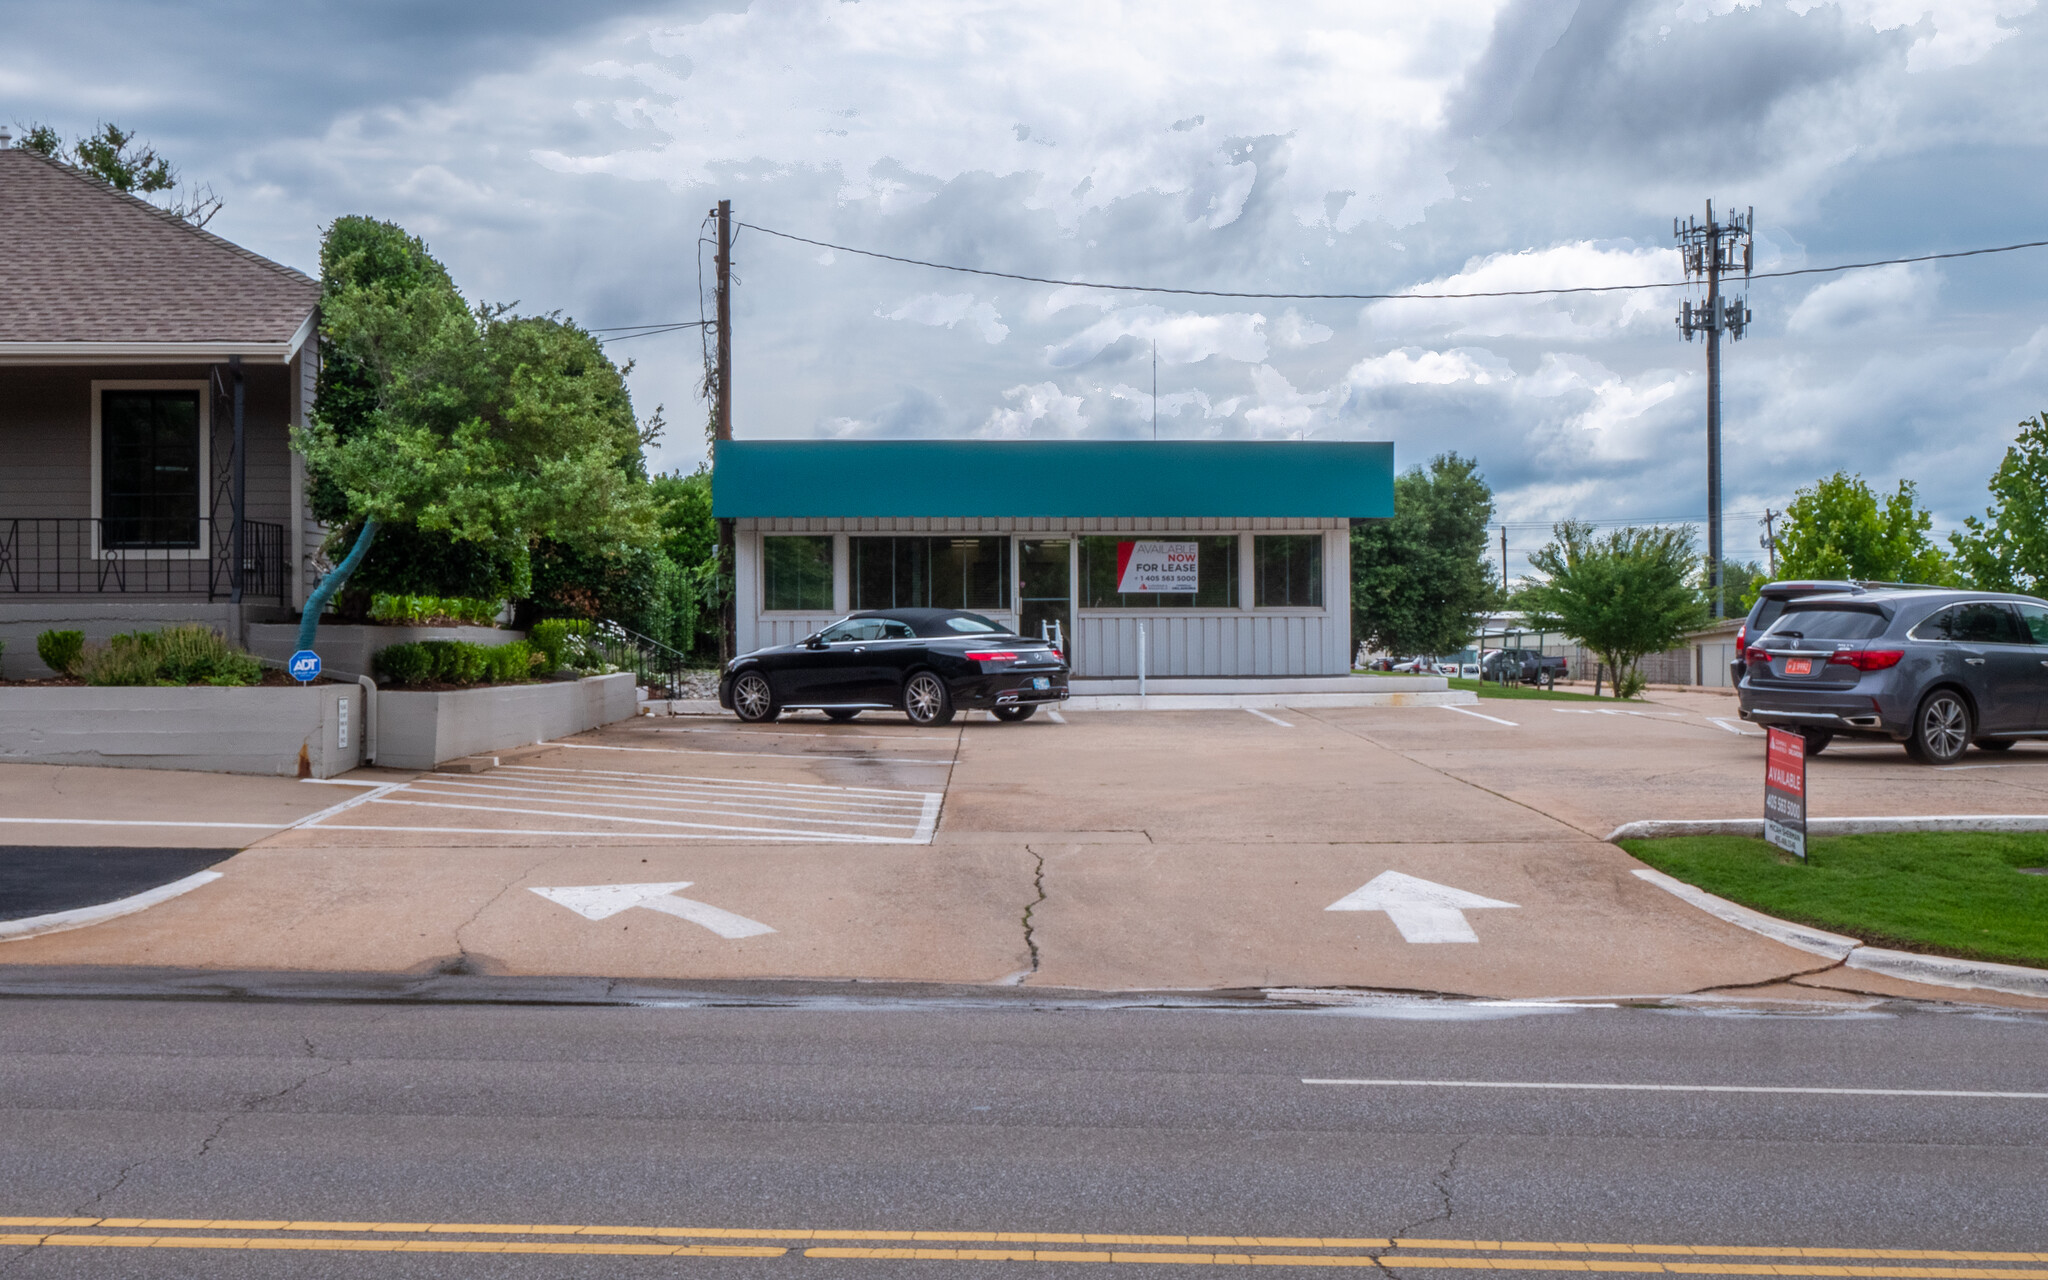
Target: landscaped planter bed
<point>312,731</point>
<point>346,648</point>
<point>418,729</point>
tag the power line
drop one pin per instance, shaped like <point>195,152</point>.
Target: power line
<point>1375,297</point>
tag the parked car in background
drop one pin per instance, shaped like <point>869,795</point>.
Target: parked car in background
<point>1420,666</point>
<point>1522,666</point>
<point>925,663</point>
<point>1464,665</point>
<point>1937,670</point>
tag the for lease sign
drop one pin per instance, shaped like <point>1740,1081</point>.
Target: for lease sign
<point>1157,567</point>
<point>1785,791</point>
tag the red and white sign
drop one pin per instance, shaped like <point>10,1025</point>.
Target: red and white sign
<point>1157,568</point>
<point>1785,791</point>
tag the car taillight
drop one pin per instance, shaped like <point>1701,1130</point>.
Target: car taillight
<point>992,656</point>
<point>1868,659</point>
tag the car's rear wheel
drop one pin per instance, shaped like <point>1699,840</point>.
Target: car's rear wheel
<point>926,700</point>
<point>842,716</point>
<point>752,699</point>
<point>1817,740</point>
<point>1014,714</point>
<point>1941,728</point>
<point>1997,744</point>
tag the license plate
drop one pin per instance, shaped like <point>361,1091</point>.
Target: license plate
<point>1799,666</point>
<point>1041,682</point>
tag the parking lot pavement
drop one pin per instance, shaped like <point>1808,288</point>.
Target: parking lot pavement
<point>1412,848</point>
<point>43,804</point>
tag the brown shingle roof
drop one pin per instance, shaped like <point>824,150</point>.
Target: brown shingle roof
<point>82,262</point>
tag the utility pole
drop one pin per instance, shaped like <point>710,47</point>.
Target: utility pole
<point>1503,560</point>
<point>722,429</point>
<point>1770,539</point>
<point>1711,250</point>
<point>1155,390</point>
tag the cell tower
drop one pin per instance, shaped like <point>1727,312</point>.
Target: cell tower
<point>1712,251</point>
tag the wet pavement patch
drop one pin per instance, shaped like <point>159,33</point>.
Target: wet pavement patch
<point>38,879</point>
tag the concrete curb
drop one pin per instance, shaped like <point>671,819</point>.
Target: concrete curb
<point>1939,971</point>
<point>1165,702</point>
<point>79,918</point>
<point>1830,826</point>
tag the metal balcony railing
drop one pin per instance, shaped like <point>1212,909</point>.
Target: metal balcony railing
<point>42,555</point>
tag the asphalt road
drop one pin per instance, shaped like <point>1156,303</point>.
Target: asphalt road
<point>241,1137</point>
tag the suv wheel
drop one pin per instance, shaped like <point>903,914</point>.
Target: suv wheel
<point>752,700</point>
<point>1941,728</point>
<point>926,701</point>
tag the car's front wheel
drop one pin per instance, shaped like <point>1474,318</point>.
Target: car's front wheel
<point>926,700</point>
<point>1014,714</point>
<point>752,700</point>
<point>1941,728</point>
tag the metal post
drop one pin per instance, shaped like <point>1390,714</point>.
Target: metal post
<point>1141,659</point>
<point>241,490</point>
<point>1714,410</point>
<point>728,550</point>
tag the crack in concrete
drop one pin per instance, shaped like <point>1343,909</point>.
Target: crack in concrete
<point>462,965</point>
<point>1769,982</point>
<point>1030,929</point>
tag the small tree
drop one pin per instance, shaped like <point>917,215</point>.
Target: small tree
<point>2008,549</point>
<point>492,430</point>
<point>1623,595</point>
<point>1421,583</point>
<point>116,157</point>
<point>1838,528</point>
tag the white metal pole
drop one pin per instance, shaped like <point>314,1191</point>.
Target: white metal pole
<point>1141,659</point>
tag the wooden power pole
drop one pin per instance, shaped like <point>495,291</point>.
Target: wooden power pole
<point>722,431</point>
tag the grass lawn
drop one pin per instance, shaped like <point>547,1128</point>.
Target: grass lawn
<point>1956,893</point>
<point>1493,689</point>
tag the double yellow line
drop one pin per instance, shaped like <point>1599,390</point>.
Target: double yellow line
<point>1018,1246</point>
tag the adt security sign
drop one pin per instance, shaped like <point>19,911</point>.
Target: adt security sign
<point>1785,791</point>
<point>304,666</point>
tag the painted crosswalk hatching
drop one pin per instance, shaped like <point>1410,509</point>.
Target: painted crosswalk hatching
<point>521,799</point>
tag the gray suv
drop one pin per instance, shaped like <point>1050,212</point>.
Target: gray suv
<point>1936,670</point>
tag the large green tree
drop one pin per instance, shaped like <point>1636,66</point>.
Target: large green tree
<point>1623,594</point>
<point>1421,583</point>
<point>484,428</point>
<point>2007,550</point>
<point>1838,528</point>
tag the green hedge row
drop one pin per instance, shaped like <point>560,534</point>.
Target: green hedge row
<point>424,610</point>
<point>457,662</point>
<point>182,655</point>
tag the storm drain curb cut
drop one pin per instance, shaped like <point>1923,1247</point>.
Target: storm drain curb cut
<point>1940,971</point>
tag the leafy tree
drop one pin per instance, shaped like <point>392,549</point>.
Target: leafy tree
<point>490,429</point>
<point>1838,528</point>
<point>116,157</point>
<point>2008,549</point>
<point>1420,583</point>
<point>688,533</point>
<point>1740,582</point>
<point>1622,595</point>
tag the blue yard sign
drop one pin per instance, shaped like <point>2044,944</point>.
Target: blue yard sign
<point>304,666</point>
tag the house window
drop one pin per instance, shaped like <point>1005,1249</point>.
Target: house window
<point>933,573</point>
<point>1287,571</point>
<point>1215,574</point>
<point>797,574</point>
<point>150,477</point>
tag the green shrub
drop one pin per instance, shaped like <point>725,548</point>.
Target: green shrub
<point>181,655</point>
<point>59,650</point>
<point>553,637</point>
<point>427,610</point>
<point>404,663</point>
<point>508,663</point>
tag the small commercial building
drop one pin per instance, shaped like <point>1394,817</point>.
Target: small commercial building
<point>1210,566</point>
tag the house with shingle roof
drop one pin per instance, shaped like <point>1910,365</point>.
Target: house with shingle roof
<point>150,373</point>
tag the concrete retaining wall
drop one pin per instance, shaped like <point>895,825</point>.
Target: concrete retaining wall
<point>24,618</point>
<point>420,730</point>
<point>345,649</point>
<point>253,730</point>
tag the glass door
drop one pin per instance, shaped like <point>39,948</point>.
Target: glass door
<point>1045,596</point>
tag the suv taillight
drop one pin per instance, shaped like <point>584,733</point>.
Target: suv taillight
<point>1867,659</point>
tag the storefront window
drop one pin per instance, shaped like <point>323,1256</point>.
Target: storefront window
<point>1287,571</point>
<point>931,573</point>
<point>1216,576</point>
<point>796,574</point>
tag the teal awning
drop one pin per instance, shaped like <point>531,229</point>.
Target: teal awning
<point>1052,478</point>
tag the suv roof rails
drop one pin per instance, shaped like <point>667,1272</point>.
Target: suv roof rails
<point>1899,586</point>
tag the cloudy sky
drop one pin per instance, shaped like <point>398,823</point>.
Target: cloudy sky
<point>563,157</point>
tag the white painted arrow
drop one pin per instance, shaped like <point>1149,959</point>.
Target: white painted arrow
<point>598,901</point>
<point>1422,910</point>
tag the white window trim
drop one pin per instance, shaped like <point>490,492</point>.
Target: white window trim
<point>205,549</point>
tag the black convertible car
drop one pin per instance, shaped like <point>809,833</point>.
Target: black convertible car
<point>925,663</point>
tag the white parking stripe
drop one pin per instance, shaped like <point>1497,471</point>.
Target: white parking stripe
<point>1263,716</point>
<point>614,803</point>
<point>760,755</point>
<point>1483,716</point>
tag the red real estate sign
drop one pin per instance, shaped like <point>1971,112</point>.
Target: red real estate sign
<point>1785,791</point>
